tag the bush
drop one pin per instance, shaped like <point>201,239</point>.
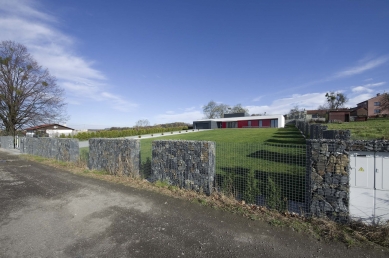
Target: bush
<point>274,198</point>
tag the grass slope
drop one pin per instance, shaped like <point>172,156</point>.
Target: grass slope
<point>365,130</point>
<point>288,135</point>
<point>252,162</point>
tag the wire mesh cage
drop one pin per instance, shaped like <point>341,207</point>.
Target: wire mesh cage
<point>272,175</point>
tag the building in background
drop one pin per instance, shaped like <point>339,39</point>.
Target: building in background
<point>339,115</point>
<point>49,130</point>
<point>275,121</point>
<point>373,106</point>
<point>358,114</point>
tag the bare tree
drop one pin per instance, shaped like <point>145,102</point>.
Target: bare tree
<point>29,95</point>
<point>210,110</point>
<point>336,100</point>
<point>214,110</point>
<point>295,112</point>
<point>142,123</point>
<point>222,109</point>
<point>323,107</point>
<point>384,102</point>
<point>239,109</point>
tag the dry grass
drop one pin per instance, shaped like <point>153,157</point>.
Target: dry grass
<point>352,234</point>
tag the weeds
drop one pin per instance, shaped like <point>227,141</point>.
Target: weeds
<point>162,184</point>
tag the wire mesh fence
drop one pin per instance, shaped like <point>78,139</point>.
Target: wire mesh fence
<point>272,175</point>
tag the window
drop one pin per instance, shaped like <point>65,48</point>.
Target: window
<point>232,124</point>
<point>260,123</point>
<point>274,123</point>
<point>377,111</point>
<point>249,123</point>
<point>377,103</point>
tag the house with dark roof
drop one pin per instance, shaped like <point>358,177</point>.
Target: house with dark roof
<point>49,130</point>
<point>238,121</point>
<point>359,114</point>
<point>373,105</point>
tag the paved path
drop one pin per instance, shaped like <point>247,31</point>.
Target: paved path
<point>46,212</point>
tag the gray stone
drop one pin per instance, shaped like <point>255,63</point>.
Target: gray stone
<point>117,156</point>
<point>190,164</point>
<point>7,142</point>
<point>53,148</point>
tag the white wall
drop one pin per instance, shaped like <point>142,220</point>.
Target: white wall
<point>57,133</point>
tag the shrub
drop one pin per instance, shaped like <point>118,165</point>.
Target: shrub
<point>274,198</point>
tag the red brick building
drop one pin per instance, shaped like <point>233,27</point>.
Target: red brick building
<point>373,106</point>
<point>341,115</point>
<point>359,114</point>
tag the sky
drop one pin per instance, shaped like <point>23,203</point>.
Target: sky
<point>123,61</point>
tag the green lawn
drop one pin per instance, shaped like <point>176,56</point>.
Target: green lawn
<point>252,162</point>
<point>249,162</point>
<point>366,130</point>
<point>238,137</point>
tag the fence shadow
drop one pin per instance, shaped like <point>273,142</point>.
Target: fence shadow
<point>276,188</point>
<point>279,157</point>
<point>292,186</point>
<point>145,168</point>
<point>290,133</point>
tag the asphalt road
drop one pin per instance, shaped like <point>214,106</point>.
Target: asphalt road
<point>47,212</point>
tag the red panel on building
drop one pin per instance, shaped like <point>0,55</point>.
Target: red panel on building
<point>254,123</point>
<point>224,124</point>
<point>241,124</point>
<point>266,123</point>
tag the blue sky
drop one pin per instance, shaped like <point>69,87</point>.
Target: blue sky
<point>122,61</point>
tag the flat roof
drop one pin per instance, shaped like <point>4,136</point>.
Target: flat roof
<point>240,118</point>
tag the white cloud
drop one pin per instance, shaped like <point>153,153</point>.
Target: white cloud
<point>117,102</point>
<point>186,117</point>
<point>366,87</point>
<point>366,65</point>
<point>353,101</point>
<point>21,21</point>
<point>189,109</point>
<point>361,89</point>
<point>24,7</point>
<point>375,84</point>
<point>282,106</point>
<point>258,98</point>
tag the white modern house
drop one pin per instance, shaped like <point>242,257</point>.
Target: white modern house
<point>240,121</point>
<point>52,130</point>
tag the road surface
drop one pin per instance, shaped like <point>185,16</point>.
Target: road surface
<point>47,212</point>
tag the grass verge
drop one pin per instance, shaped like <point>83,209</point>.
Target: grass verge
<point>352,234</point>
<point>372,129</point>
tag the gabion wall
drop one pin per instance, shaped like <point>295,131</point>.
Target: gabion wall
<point>186,164</point>
<point>318,131</point>
<point>329,175</point>
<point>54,148</point>
<point>117,156</point>
<point>7,142</point>
<point>337,134</point>
<point>328,179</point>
<point>372,145</point>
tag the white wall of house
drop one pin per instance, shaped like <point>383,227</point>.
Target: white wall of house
<point>57,133</point>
